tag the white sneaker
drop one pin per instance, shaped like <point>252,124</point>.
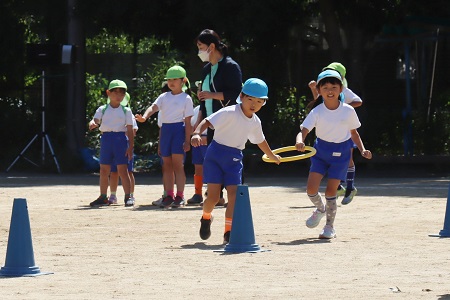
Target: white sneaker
<point>315,218</point>
<point>349,198</point>
<point>158,202</point>
<point>112,199</point>
<point>328,232</point>
<point>130,202</point>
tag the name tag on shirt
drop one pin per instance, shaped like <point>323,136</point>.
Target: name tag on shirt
<point>337,154</point>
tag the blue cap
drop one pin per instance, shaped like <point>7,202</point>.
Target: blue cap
<point>329,73</point>
<point>256,88</point>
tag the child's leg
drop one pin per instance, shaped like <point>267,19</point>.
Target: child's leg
<point>210,202</point>
<point>113,182</point>
<point>312,190</point>
<point>180,175</point>
<point>125,178</point>
<point>231,193</point>
<point>198,180</point>
<point>350,174</point>
<point>105,170</point>
<point>330,195</point>
<point>168,177</point>
<point>132,182</point>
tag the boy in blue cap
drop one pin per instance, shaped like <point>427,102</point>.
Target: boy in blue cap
<point>117,141</point>
<point>336,126</point>
<point>233,126</point>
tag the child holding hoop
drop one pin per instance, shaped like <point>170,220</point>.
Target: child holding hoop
<point>336,126</point>
<point>233,126</point>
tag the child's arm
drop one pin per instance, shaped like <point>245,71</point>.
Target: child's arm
<point>130,135</point>
<point>94,123</point>
<point>188,131</point>
<point>300,139</point>
<point>264,146</point>
<point>356,138</point>
<point>148,113</point>
<point>196,139</point>
<point>313,87</point>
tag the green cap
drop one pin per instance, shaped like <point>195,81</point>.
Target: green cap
<point>175,72</point>
<point>116,83</point>
<point>337,67</point>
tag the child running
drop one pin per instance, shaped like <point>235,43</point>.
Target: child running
<point>349,97</point>
<point>117,141</point>
<point>176,112</point>
<point>233,126</point>
<point>336,126</point>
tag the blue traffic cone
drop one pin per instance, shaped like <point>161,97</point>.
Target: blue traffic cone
<point>19,255</point>
<point>446,231</point>
<point>242,236</point>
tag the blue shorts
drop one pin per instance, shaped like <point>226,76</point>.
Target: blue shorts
<point>113,147</point>
<point>198,154</point>
<point>222,165</point>
<point>172,139</point>
<point>331,158</point>
<point>129,167</point>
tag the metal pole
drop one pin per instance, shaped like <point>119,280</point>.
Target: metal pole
<point>43,118</point>
<point>432,74</point>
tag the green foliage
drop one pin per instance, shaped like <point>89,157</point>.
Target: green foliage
<point>108,43</point>
<point>290,109</point>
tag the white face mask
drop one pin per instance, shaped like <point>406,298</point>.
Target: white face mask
<point>204,55</point>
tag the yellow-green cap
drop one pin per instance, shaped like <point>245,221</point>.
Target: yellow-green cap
<point>116,83</point>
<point>175,72</point>
<point>337,67</point>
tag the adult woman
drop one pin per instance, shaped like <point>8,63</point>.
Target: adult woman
<point>221,81</point>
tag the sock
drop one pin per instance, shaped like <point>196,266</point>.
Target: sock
<point>170,193</point>
<point>350,178</point>
<point>131,195</point>
<point>206,216</point>
<point>113,193</point>
<point>103,196</point>
<point>228,222</point>
<point>127,196</point>
<point>198,184</point>
<point>317,201</point>
<point>331,210</point>
<point>164,194</point>
<point>180,194</point>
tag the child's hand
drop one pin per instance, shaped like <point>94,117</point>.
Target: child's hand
<point>186,146</point>
<point>92,125</point>
<point>276,158</point>
<point>300,146</point>
<point>312,84</point>
<point>140,118</point>
<point>196,140</point>
<point>129,153</point>
<point>366,154</point>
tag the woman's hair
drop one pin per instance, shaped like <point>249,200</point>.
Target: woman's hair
<point>208,37</point>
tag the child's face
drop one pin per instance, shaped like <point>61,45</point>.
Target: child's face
<point>116,95</point>
<point>329,91</point>
<point>175,85</point>
<point>251,105</point>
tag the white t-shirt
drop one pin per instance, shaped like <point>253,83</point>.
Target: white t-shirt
<point>195,117</point>
<point>233,128</point>
<point>174,108</point>
<point>350,96</point>
<point>332,125</point>
<point>114,119</point>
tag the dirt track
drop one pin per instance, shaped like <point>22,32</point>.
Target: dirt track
<point>382,249</point>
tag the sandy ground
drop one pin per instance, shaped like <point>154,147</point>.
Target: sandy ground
<point>382,251</point>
